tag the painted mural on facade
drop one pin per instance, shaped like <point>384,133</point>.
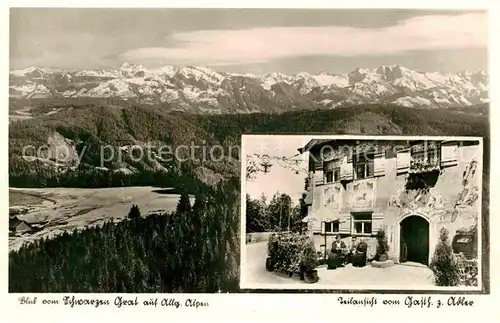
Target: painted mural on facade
<point>419,201</point>
<point>332,197</point>
<point>470,191</point>
<point>362,195</point>
<point>423,200</point>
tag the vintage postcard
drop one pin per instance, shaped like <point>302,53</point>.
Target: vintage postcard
<point>369,213</point>
<point>160,157</point>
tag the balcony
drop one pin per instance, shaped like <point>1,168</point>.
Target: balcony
<point>425,158</point>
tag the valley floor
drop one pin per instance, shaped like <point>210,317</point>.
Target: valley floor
<point>50,211</point>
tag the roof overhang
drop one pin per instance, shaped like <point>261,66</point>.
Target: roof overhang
<point>312,143</point>
<point>323,215</point>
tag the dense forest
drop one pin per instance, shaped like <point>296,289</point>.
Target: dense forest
<point>90,127</point>
<point>279,213</point>
<point>383,119</point>
<point>36,174</point>
<point>195,249</point>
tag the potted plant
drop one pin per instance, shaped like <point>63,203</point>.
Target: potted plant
<point>382,246</point>
<point>308,262</point>
<point>272,247</point>
<point>269,264</point>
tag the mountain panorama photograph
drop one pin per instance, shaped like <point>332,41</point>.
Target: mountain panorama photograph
<point>125,144</point>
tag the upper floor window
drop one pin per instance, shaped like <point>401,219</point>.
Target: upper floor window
<point>363,166</point>
<point>425,156</point>
<point>332,171</point>
<point>332,227</point>
<point>362,223</point>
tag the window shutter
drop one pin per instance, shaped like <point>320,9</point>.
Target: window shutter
<point>318,173</point>
<point>379,164</point>
<point>323,227</point>
<point>377,222</point>
<point>318,163</point>
<point>403,161</point>
<point>346,170</point>
<point>449,154</point>
<point>309,197</point>
<point>345,223</point>
<point>349,156</point>
<point>319,177</point>
<point>328,166</point>
<point>316,226</point>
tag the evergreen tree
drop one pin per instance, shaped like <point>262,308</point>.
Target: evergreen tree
<point>134,212</point>
<point>443,264</point>
<point>256,216</point>
<point>184,204</point>
<point>279,210</point>
<point>200,202</point>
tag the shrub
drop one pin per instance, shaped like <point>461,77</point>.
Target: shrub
<point>292,252</point>
<point>443,264</point>
<point>382,245</point>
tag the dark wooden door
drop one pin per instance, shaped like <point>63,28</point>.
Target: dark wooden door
<point>414,240</point>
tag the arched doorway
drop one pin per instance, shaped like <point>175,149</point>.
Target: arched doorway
<point>414,240</point>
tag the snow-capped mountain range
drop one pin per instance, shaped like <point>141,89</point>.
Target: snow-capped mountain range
<point>204,90</point>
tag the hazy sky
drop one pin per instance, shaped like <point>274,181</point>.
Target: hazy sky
<point>278,179</point>
<point>249,40</point>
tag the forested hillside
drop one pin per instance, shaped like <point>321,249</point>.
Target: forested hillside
<point>192,250</point>
<point>89,128</point>
<point>356,120</point>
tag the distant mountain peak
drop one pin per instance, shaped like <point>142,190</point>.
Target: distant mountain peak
<point>29,70</point>
<point>202,89</point>
<point>126,65</point>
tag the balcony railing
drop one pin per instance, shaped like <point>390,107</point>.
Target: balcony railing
<point>425,157</point>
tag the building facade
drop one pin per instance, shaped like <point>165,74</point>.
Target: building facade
<point>410,189</point>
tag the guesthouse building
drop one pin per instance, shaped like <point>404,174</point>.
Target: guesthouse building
<point>17,225</point>
<point>409,188</point>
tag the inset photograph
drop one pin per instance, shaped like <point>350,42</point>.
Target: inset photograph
<point>369,213</point>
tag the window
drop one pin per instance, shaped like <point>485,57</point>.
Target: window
<point>329,177</point>
<point>331,227</point>
<point>363,166</point>
<point>362,223</point>
<point>425,156</point>
<point>332,171</point>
